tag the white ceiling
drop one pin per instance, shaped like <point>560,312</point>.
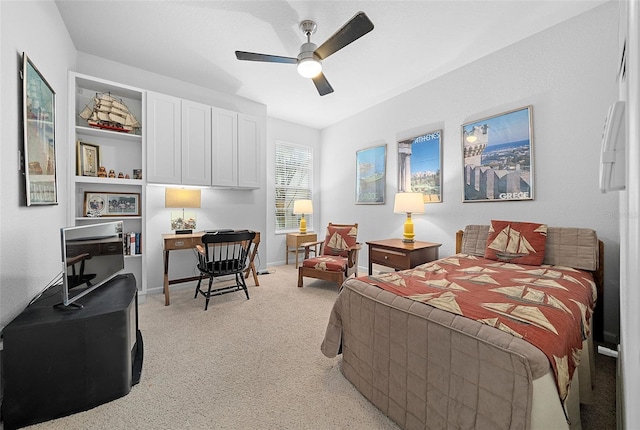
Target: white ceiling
<point>412,43</point>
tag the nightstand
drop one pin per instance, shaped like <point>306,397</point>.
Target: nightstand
<point>400,255</point>
<point>294,240</point>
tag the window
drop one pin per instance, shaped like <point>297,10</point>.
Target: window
<point>294,168</point>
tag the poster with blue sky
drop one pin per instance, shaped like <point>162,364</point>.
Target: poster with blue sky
<point>498,161</point>
<point>371,175</point>
<point>420,166</point>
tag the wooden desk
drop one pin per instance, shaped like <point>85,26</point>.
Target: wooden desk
<point>400,255</point>
<point>294,240</point>
<point>176,242</point>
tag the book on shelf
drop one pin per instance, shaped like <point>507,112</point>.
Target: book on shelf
<point>132,243</point>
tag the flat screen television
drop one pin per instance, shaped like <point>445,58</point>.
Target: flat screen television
<point>91,255</point>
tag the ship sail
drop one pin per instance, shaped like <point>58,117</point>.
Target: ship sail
<point>509,243</point>
<point>337,242</point>
<point>501,240</point>
<point>109,112</point>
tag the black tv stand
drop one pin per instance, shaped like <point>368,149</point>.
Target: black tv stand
<point>57,363</point>
<point>70,306</point>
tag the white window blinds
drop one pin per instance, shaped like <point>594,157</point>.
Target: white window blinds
<point>294,167</point>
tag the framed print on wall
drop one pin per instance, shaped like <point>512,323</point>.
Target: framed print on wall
<point>97,204</point>
<point>39,123</point>
<point>88,159</point>
<point>420,166</point>
<point>371,175</point>
<point>498,157</point>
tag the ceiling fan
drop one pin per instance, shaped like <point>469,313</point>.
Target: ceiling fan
<point>309,60</point>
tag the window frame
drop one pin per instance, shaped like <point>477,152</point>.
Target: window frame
<point>287,222</point>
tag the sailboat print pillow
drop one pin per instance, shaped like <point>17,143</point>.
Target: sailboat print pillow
<point>516,242</point>
<point>339,240</point>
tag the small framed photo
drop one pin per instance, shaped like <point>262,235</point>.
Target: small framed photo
<point>498,157</point>
<point>99,204</point>
<point>88,159</point>
<point>371,176</point>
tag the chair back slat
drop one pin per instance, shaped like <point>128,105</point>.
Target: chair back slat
<point>226,252</point>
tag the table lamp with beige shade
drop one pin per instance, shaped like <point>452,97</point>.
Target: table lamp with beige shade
<point>182,222</point>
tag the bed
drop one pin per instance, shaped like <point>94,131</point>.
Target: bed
<point>428,367</point>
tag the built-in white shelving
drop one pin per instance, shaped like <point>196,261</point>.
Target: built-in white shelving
<point>118,151</point>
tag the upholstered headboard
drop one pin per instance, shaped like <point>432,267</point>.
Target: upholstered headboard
<point>566,246</point>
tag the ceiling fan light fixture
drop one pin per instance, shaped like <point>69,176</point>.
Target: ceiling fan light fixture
<point>309,67</point>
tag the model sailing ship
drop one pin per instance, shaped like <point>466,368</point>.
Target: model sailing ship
<point>110,113</point>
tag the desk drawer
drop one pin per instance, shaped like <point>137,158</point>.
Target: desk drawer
<point>180,243</point>
<point>395,259</point>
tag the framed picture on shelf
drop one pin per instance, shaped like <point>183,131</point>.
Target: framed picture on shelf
<point>98,204</point>
<point>371,175</point>
<point>498,157</point>
<point>420,166</point>
<point>88,159</point>
<point>39,123</point>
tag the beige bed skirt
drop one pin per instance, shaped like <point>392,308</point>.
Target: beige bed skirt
<point>429,369</point>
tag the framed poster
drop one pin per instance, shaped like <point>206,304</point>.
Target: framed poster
<point>371,175</point>
<point>88,159</point>
<point>39,152</point>
<point>498,157</point>
<point>97,204</point>
<point>420,166</point>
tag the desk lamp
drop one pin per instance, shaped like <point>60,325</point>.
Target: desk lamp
<point>301,207</point>
<point>182,198</point>
<point>408,203</point>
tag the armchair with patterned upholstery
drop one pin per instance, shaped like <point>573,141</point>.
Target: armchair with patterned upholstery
<point>338,256</point>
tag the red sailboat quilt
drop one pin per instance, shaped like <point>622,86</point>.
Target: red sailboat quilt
<point>548,306</point>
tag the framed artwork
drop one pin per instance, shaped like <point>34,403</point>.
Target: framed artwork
<point>39,124</point>
<point>371,175</point>
<point>420,166</point>
<point>498,157</point>
<point>97,204</point>
<point>88,159</point>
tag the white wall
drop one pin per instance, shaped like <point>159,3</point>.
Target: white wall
<point>630,232</point>
<point>288,132</point>
<point>567,73</point>
<point>30,236</point>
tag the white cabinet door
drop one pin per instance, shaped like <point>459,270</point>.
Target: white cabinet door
<point>249,142</point>
<point>224,157</point>
<point>163,139</point>
<point>196,143</point>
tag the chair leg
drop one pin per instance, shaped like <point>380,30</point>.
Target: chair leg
<point>198,287</point>
<point>300,277</point>
<point>208,296</point>
<point>241,282</point>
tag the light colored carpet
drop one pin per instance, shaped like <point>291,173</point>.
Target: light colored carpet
<point>242,364</point>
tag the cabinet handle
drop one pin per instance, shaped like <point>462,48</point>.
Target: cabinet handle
<point>386,257</point>
<point>179,243</point>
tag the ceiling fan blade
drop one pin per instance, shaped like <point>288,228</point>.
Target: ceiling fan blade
<point>321,83</point>
<point>357,27</point>
<point>252,56</point>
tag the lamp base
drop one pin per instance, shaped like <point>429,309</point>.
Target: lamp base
<point>184,231</point>
<point>407,236</point>
<point>303,225</point>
